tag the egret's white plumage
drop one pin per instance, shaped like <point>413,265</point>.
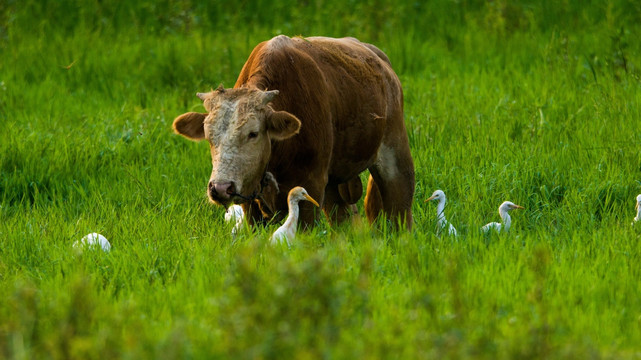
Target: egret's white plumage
<point>638,207</point>
<point>442,222</point>
<point>287,231</point>
<point>504,210</point>
<point>93,240</point>
<point>235,213</point>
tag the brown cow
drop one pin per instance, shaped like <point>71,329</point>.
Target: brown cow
<point>314,112</point>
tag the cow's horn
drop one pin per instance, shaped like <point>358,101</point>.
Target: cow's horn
<point>269,96</point>
<point>201,96</point>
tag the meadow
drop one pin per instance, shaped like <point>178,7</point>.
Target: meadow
<point>534,102</point>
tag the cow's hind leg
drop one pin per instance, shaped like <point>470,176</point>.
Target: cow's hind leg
<point>391,185</point>
<point>309,213</point>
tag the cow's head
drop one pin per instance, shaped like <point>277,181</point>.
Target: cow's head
<point>240,126</point>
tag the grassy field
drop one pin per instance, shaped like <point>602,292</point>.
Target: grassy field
<point>537,103</point>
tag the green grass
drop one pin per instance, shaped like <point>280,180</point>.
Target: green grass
<point>538,103</point>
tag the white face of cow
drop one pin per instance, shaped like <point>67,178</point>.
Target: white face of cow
<point>239,126</point>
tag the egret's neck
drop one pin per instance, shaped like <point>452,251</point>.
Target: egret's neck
<point>292,218</point>
<point>638,214</point>
<point>439,210</point>
<point>506,219</point>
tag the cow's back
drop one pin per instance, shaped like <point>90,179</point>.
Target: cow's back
<point>368,99</point>
<point>343,91</point>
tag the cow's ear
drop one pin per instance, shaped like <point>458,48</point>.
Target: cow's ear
<point>190,125</point>
<point>282,125</point>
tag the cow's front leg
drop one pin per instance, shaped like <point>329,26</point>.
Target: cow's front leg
<point>254,215</point>
<point>340,200</point>
<point>309,213</point>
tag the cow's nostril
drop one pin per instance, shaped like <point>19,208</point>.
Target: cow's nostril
<point>222,189</point>
<point>231,189</point>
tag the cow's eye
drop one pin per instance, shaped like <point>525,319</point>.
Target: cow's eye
<point>252,135</point>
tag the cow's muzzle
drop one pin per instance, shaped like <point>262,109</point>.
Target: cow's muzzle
<point>225,193</point>
<point>221,192</point>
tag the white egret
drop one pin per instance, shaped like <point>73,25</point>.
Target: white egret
<point>235,213</point>
<point>287,231</point>
<point>92,240</point>
<point>442,222</point>
<point>638,207</point>
<point>505,207</point>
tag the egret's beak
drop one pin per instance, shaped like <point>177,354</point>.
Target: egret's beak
<point>430,198</point>
<point>518,207</point>
<point>311,200</point>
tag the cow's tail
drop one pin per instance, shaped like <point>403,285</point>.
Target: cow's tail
<point>373,201</point>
